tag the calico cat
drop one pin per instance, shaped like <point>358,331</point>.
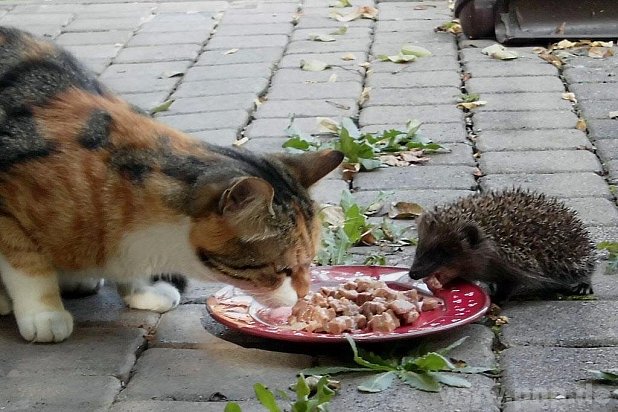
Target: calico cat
<point>92,188</point>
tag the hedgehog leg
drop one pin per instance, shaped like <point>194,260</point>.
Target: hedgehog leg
<point>504,290</point>
<point>582,288</point>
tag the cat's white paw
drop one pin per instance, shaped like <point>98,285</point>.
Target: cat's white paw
<point>47,326</point>
<point>6,306</point>
<point>159,297</point>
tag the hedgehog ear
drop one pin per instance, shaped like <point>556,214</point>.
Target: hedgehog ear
<point>425,223</point>
<point>472,234</point>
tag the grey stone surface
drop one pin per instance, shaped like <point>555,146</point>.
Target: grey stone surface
<point>554,161</point>
<point>187,375</point>
<point>218,57</point>
<point>556,184</point>
<point>458,154</point>
<point>426,64</point>
<point>422,79</point>
<point>600,110</point>
<point>253,29</point>
<point>522,140</point>
<point>332,75</point>
<point>139,54</point>
<point>346,46</point>
<point>333,59</point>
<point>524,120</point>
<point>60,393</point>
<point>229,71</point>
<point>219,42</point>
<point>588,91</point>
<point>381,96</point>
<point>224,102</point>
<point>515,84</point>
<point>308,108</point>
<point>265,144</point>
<point>95,38</point>
<point>436,49</point>
<point>175,37</point>
<point>337,90</point>
<point>351,33</point>
<point>146,101</point>
<point>582,74</point>
<point>402,114</point>
<point>25,20</point>
<point>566,405</point>
<point>276,127</point>
<point>322,21</point>
<point>221,137</point>
<point>328,191</point>
<point>607,149</point>
<point>595,320</point>
<point>419,177</point>
<point>182,328</point>
<point>427,198</point>
<point>219,87</point>
<point>91,351</point>
<point>422,26</point>
<point>595,211</point>
<point>251,18</point>
<point>507,102</point>
<point>602,129</point>
<point>428,38</point>
<point>139,71</point>
<point>508,68</point>
<point>102,24</point>
<point>232,119</point>
<point>546,372</point>
<point>180,406</point>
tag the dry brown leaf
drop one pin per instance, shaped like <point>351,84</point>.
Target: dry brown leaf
<point>405,210</point>
<point>364,96</point>
<point>613,115</point>
<point>471,105</point>
<point>414,156</point>
<point>564,44</point>
<point>332,78</point>
<point>332,215</point>
<point>241,142</point>
<point>498,51</point>
<point>348,56</point>
<point>552,59</point>
<point>349,170</point>
<point>368,238</point>
<point>368,12</point>
<point>466,76</point>
<point>365,65</point>
<point>569,96</point>
<point>392,160</point>
<point>477,172</point>
<point>581,125</point>
<point>328,125</point>
<point>600,52</point>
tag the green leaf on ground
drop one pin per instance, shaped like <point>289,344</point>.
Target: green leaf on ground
<point>313,65</point>
<point>609,375</point>
<point>163,107</point>
<point>411,50</point>
<point>232,407</point>
<point>341,30</point>
<point>266,398</point>
<point>420,381</point>
<point>321,37</point>
<point>397,58</point>
<point>378,383</point>
<point>450,379</point>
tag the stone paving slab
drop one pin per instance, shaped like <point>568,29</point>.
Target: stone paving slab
<point>558,184</point>
<point>291,76</point>
<point>402,114</point>
<point>333,59</point>
<point>524,120</point>
<point>244,101</point>
<point>222,87</point>
<point>595,319</point>
<point>404,80</point>
<point>566,405</point>
<point>507,102</point>
<point>307,108</point>
<point>595,211</point>
<point>505,68</point>
<point>437,132</point>
<point>60,393</point>
<point>94,38</point>
<point>602,129</point>
<point>187,374</point>
<point>522,140</point>
<point>427,198</point>
<point>515,84</point>
<point>235,119</point>
<point>532,372</point>
<point>604,91</point>
<point>422,177</point>
<point>382,96</point>
<point>426,64</point>
<point>257,55</point>
<point>556,161</point>
<point>229,71</point>
<point>180,406</point>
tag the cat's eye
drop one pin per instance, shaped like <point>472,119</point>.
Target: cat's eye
<point>287,271</point>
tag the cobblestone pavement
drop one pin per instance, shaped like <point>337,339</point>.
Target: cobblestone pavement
<point>149,52</point>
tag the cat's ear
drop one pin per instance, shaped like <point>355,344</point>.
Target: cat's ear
<point>310,167</point>
<point>247,195</point>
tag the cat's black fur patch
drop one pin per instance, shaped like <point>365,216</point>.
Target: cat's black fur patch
<point>133,164</point>
<point>20,141</point>
<point>95,133</point>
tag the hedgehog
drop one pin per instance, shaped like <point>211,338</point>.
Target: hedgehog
<point>518,242</point>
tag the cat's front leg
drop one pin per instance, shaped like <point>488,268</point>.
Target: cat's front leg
<point>38,309</point>
<point>142,294</point>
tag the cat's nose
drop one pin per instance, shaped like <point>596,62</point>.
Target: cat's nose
<point>416,273</point>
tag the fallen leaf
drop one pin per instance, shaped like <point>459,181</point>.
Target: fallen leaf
<point>349,170</point>
<point>466,76</point>
<point>332,215</point>
<point>341,4</point>
<point>411,50</point>
<point>581,125</point>
<point>453,27</point>
<point>296,17</point>
<point>337,105</point>
<point>321,37</point>
<point>600,52</point>
<point>413,156</point>
<point>405,210</point>
<point>230,51</point>
<point>312,65</point>
<point>332,78</point>
<point>569,96</point>
<point>163,107</point>
<point>499,52</point>
<point>172,73</point>
<point>368,238</point>
<point>368,12</point>
<point>477,172</point>
<point>340,31</point>
<point>552,59</point>
<point>392,160</point>
<point>613,115</point>
<point>365,65</point>
<point>328,125</point>
<point>241,142</point>
<point>471,105</point>
<point>364,96</point>
<point>564,44</point>
<point>599,43</point>
<point>397,58</point>
<point>348,56</point>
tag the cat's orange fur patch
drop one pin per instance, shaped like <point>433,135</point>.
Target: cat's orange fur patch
<point>34,49</point>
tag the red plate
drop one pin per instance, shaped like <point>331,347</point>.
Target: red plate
<point>463,303</point>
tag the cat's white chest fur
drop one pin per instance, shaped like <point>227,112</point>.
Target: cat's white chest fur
<point>153,250</point>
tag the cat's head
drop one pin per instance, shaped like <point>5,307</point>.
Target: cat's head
<point>260,230</point>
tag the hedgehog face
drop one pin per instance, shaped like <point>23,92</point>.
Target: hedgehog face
<point>446,250</point>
